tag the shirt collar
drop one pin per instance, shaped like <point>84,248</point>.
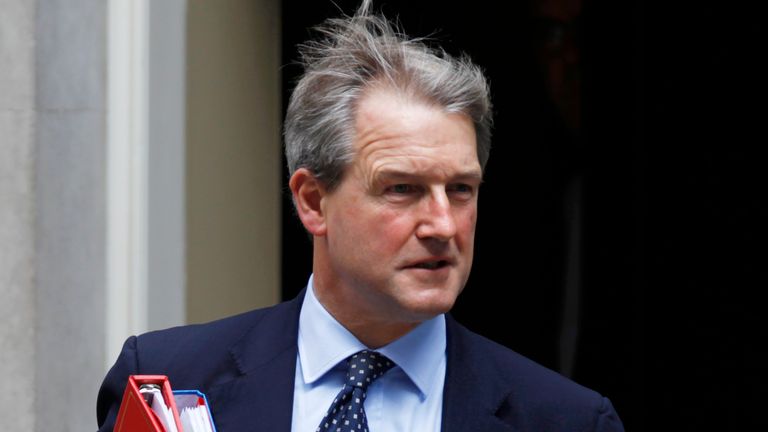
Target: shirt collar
<point>324,343</point>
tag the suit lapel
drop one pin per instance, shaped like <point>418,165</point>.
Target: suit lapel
<point>472,393</point>
<point>261,396</point>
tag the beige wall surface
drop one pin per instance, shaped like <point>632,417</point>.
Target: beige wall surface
<point>233,157</point>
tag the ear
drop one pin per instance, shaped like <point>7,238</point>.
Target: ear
<point>308,193</point>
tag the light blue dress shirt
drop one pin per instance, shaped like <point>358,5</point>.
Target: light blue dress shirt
<point>409,397</point>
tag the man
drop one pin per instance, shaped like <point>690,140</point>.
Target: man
<point>386,142</point>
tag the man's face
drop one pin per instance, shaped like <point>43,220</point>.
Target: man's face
<point>401,223</point>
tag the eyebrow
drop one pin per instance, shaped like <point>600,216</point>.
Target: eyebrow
<point>390,174</point>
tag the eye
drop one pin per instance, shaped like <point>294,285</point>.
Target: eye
<point>461,189</point>
<point>401,189</point>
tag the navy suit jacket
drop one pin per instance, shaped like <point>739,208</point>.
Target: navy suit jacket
<point>246,366</point>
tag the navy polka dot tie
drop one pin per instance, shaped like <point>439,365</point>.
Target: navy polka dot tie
<point>347,414</point>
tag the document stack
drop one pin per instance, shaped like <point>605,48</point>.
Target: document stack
<point>149,405</point>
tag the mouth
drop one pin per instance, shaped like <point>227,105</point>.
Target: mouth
<point>431,264</point>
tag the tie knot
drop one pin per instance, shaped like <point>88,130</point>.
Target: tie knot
<point>365,367</point>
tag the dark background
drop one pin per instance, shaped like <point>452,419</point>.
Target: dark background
<point>624,198</point>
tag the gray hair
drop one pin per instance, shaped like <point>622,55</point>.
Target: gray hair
<point>354,54</point>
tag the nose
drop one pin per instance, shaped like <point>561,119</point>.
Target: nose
<point>437,221</point>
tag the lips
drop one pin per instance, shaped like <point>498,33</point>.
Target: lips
<point>435,263</point>
<point>432,265</point>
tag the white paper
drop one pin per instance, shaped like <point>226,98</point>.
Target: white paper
<point>162,410</point>
<point>194,417</point>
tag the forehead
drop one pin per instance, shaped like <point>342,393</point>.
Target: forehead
<point>397,132</point>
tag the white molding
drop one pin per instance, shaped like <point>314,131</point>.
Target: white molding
<point>167,162</point>
<point>146,273</point>
<point>127,171</point>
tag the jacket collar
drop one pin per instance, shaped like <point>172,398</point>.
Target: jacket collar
<point>265,358</point>
<point>474,391</point>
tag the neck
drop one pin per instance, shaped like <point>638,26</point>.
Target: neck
<point>365,320</point>
<point>373,331</point>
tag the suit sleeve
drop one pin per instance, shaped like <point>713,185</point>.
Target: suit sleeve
<point>111,391</point>
<point>607,418</point>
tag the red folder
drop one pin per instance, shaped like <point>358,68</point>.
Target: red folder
<point>135,414</point>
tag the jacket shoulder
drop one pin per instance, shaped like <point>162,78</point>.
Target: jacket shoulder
<point>187,351</point>
<point>196,356</point>
<point>191,338</point>
<point>534,397</point>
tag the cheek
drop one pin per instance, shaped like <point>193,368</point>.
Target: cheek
<point>386,230</point>
<point>367,227</point>
<point>465,224</point>
<point>399,219</point>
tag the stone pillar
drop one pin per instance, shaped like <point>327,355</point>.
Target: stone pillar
<point>52,216</point>
<point>17,207</point>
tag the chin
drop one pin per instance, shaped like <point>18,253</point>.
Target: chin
<point>429,306</point>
